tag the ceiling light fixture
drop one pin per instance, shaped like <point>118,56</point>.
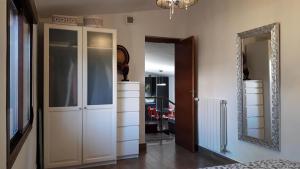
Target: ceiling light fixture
<point>161,84</point>
<point>172,4</point>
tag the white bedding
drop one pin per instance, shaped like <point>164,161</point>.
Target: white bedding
<point>265,164</point>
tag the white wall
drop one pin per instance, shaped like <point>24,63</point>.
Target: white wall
<point>27,155</point>
<point>215,24</point>
<point>2,84</point>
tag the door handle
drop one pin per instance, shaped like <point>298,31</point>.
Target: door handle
<point>79,108</point>
<point>196,99</point>
<point>85,107</point>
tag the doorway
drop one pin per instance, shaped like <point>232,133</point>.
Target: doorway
<point>159,92</point>
<point>170,91</point>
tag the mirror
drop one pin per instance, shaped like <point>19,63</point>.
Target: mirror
<point>258,86</point>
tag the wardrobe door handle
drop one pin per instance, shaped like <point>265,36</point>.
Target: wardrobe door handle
<point>80,108</point>
<point>85,107</point>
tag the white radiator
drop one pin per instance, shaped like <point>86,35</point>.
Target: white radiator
<point>212,124</point>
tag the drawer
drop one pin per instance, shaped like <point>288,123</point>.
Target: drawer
<point>254,99</point>
<point>255,111</point>
<point>125,94</point>
<point>128,133</point>
<point>254,90</point>
<point>255,122</point>
<point>128,104</point>
<point>128,86</point>
<point>128,119</point>
<point>256,133</point>
<point>128,148</point>
<point>253,83</point>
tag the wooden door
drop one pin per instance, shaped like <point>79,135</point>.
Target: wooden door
<point>63,95</point>
<point>185,90</point>
<point>99,95</point>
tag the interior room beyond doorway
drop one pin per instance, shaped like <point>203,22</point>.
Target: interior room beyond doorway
<point>159,92</point>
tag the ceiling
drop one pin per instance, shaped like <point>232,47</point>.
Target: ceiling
<point>47,8</point>
<point>159,57</point>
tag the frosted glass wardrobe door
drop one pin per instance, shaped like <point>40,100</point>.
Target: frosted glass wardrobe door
<point>63,96</point>
<point>99,77</point>
<point>63,68</point>
<point>99,68</point>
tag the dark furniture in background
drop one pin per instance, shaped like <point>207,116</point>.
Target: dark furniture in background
<point>157,87</point>
<point>160,119</point>
<point>150,86</point>
<point>162,91</point>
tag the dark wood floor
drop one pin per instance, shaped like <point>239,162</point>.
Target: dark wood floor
<point>168,156</point>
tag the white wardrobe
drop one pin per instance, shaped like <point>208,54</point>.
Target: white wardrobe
<point>79,96</point>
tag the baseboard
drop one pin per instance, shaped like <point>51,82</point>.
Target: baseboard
<point>142,148</point>
<point>90,165</point>
<point>215,155</point>
<point>127,157</point>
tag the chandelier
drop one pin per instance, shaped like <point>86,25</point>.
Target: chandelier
<point>172,4</point>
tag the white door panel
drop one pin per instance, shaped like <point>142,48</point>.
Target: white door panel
<point>98,135</point>
<point>63,138</point>
<point>63,95</point>
<point>99,95</point>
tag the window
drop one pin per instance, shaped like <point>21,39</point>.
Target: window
<point>19,92</point>
<point>13,73</point>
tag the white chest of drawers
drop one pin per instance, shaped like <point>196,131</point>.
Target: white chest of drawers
<point>128,119</point>
<point>254,108</point>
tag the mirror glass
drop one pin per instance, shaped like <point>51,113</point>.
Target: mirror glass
<point>256,86</point>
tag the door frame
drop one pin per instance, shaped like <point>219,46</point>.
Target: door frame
<point>157,39</point>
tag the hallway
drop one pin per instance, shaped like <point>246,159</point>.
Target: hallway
<point>167,156</point>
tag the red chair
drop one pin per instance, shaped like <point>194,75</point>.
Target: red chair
<point>152,113</point>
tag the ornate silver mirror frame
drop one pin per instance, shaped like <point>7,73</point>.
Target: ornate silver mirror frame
<point>273,29</point>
